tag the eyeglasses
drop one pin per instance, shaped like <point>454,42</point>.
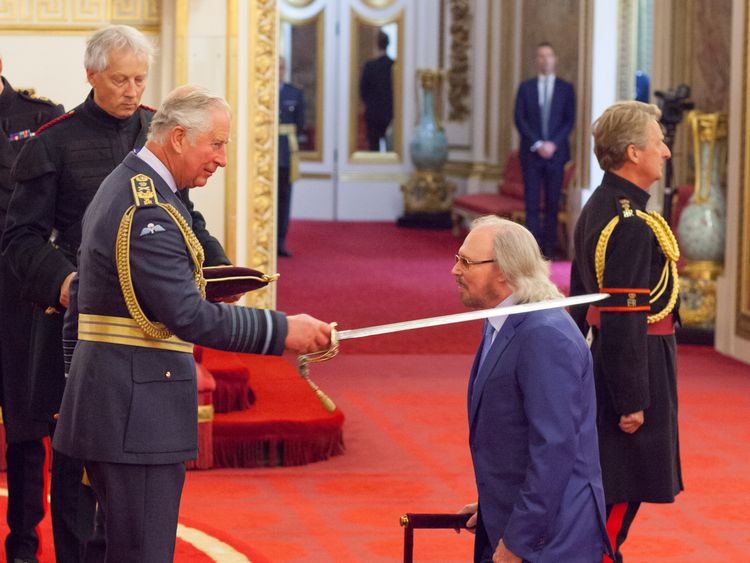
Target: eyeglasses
<point>466,263</point>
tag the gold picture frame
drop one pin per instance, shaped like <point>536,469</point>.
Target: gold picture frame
<point>366,157</point>
<point>315,155</point>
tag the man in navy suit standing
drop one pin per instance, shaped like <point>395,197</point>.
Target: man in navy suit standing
<point>544,115</point>
<point>532,410</point>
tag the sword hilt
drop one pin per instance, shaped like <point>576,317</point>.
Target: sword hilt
<point>325,355</point>
<point>315,357</point>
<point>304,372</point>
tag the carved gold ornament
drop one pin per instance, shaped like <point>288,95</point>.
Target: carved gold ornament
<point>458,73</point>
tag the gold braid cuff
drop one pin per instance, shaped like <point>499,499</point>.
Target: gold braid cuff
<point>122,257</point>
<point>668,244</point>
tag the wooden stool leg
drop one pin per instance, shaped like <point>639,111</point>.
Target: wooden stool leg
<point>408,544</point>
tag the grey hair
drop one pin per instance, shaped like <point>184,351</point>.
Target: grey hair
<point>189,107</point>
<point>519,258</point>
<point>115,38</point>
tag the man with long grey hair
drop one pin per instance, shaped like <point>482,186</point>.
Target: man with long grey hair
<point>532,415</point>
<point>56,175</point>
<point>130,404</point>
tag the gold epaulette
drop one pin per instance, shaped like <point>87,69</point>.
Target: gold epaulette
<point>30,94</point>
<point>144,195</point>
<point>668,244</point>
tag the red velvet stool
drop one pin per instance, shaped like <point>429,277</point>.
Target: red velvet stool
<point>233,391</point>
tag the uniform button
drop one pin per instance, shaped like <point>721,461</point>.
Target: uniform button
<point>168,374</point>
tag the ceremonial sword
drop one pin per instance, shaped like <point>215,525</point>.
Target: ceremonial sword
<point>337,336</point>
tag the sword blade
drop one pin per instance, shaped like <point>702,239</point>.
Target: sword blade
<point>470,316</point>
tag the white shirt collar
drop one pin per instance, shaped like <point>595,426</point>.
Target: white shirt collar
<point>153,161</point>
<point>498,322</point>
<point>545,77</point>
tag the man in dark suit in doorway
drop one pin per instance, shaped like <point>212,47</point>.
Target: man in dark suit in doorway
<point>376,91</point>
<point>544,115</point>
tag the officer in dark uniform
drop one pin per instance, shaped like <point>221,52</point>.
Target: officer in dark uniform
<point>56,176</point>
<point>623,250</point>
<point>130,404</point>
<point>21,114</point>
<point>291,124</point>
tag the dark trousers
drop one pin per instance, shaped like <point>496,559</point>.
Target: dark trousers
<point>73,508</point>
<point>545,177</point>
<point>619,518</point>
<point>26,502</point>
<point>139,506</point>
<point>285,206</point>
<point>376,130</point>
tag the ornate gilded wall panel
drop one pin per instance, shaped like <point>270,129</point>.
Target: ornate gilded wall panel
<point>459,90</point>
<point>77,14</point>
<point>232,97</point>
<point>261,163</point>
<point>743,248</point>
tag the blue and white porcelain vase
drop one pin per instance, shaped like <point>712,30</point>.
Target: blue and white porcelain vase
<point>428,191</point>
<point>428,147</point>
<point>702,227</point>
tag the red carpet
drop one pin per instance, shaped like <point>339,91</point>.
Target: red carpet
<point>407,451</point>
<point>362,274</point>
<point>406,429</point>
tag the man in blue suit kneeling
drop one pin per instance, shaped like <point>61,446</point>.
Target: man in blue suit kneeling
<point>532,410</point>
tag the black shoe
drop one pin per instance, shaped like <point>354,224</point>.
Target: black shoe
<point>285,253</point>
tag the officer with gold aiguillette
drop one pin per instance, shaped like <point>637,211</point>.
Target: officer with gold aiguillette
<point>623,250</point>
<point>137,305</point>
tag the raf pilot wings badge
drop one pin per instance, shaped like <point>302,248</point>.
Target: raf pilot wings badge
<point>151,229</point>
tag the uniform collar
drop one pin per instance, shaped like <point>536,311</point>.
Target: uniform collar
<point>7,95</point>
<point>103,118</point>
<point>153,161</point>
<point>627,188</point>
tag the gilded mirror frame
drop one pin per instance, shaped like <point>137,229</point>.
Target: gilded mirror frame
<point>366,157</point>
<point>743,246</point>
<point>319,21</point>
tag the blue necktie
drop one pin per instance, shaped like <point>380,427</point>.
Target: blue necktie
<point>489,331</point>
<point>545,107</point>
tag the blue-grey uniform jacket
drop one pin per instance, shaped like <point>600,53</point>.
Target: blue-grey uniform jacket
<point>134,404</point>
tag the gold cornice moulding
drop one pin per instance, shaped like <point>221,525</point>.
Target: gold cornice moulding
<point>73,16</point>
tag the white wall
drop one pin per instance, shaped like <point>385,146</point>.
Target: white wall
<point>52,64</point>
